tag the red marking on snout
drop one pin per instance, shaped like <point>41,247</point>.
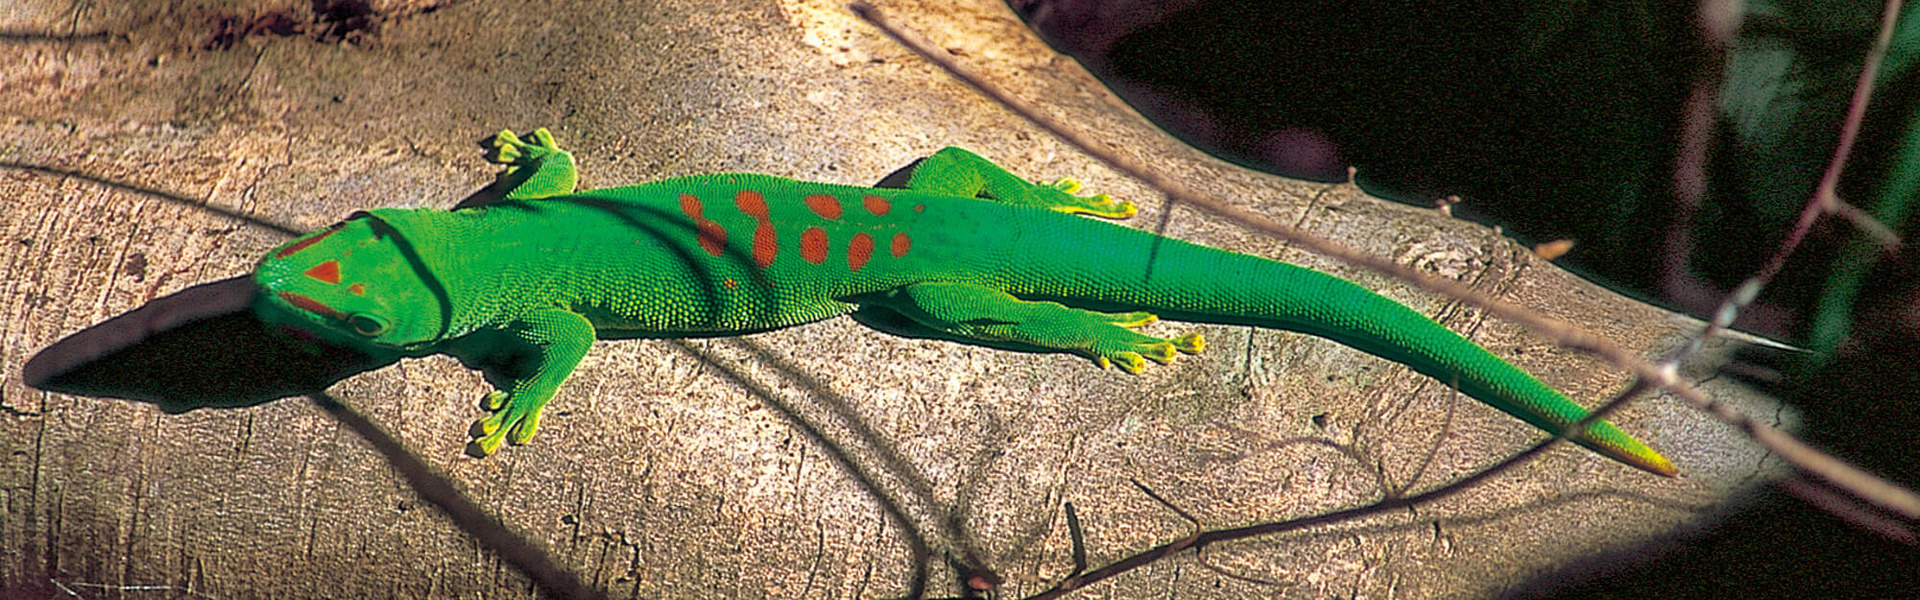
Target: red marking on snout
<point>357,289</point>
<point>828,207</point>
<point>766,244</point>
<point>859,251</point>
<point>327,272</point>
<point>813,245</point>
<point>710,235</point>
<point>312,306</point>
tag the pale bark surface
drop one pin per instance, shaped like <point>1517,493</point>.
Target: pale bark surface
<point>755,467</point>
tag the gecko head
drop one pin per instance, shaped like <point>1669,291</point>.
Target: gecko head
<point>358,283</point>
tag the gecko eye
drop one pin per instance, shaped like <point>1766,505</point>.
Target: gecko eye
<point>368,325</point>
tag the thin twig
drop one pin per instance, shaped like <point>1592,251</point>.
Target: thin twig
<point>1865,485</point>
<point>1826,197</point>
<point>1850,509</point>
<point>1883,235</point>
<point>1825,200</point>
<point>1719,22</point>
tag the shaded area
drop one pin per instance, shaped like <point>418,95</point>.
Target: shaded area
<point>324,21</point>
<point>1555,121</point>
<point>203,347</point>
<point>1551,120</point>
<point>198,348</point>
<point>1788,545</point>
<point>1780,547</point>
<point>123,186</point>
<point>526,556</point>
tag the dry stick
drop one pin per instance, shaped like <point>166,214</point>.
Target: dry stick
<point>1825,200</point>
<point>527,557</point>
<point>1719,21</point>
<point>1827,196</point>
<point>1849,509</point>
<point>1867,486</point>
<point>1880,232</point>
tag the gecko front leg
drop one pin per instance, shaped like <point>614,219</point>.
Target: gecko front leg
<point>544,347</point>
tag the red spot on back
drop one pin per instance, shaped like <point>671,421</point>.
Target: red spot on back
<point>813,245</point>
<point>711,236</point>
<point>328,272</point>
<point>859,251</point>
<point>765,244</point>
<point>919,208</point>
<point>357,289</point>
<point>900,244</point>
<point>295,247</point>
<point>751,203</point>
<point>877,205</point>
<point>828,207</point>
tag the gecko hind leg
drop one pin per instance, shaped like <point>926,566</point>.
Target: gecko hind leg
<point>991,317</point>
<point>958,172</point>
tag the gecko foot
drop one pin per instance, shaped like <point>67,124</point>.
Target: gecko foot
<point>536,168</point>
<point>1131,351</point>
<point>1099,205</point>
<point>511,422</point>
<point>505,148</point>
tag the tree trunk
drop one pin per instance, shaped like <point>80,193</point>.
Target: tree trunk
<point>827,460</point>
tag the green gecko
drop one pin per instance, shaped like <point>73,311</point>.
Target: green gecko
<point>964,250</point>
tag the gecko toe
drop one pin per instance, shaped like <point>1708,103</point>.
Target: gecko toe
<point>1131,362</point>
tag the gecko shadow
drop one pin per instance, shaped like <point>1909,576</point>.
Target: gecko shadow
<point>202,347</point>
<point>198,348</point>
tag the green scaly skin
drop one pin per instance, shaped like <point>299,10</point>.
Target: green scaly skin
<point>965,251</point>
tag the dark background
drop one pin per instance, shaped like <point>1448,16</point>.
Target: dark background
<point>1564,121</point>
